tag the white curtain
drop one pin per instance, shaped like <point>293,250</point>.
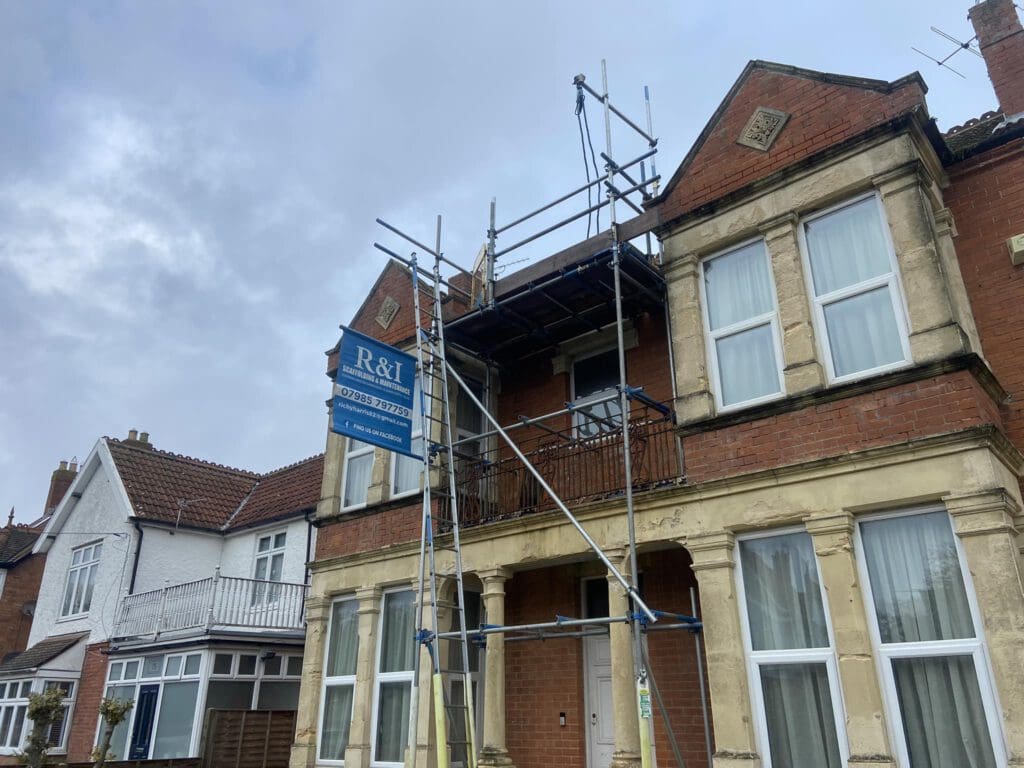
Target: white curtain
<point>916,581</point>
<point>336,722</point>
<point>737,286</point>
<point>357,473</point>
<point>393,721</point>
<point>408,470</point>
<point>920,596</point>
<point>398,643</point>
<point>784,606</point>
<point>801,723</point>
<point>862,332</point>
<point>343,647</point>
<point>847,247</point>
<point>747,365</point>
<point>943,718</point>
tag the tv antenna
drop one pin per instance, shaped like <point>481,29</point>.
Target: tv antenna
<point>960,46</point>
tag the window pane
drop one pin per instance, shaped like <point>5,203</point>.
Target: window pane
<point>5,728</point>
<point>177,710</point>
<point>261,569</point>
<point>737,286</point>
<point>336,722</point>
<point>131,670</point>
<point>392,721</point>
<point>780,579</point>
<point>272,666</point>
<point>279,540</point>
<point>173,666</point>
<point>798,709</point>
<point>26,688</point>
<point>847,247</point>
<point>115,670</point>
<point>343,645</point>
<point>3,690</point>
<point>596,374</point>
<point>276,566</point>
<point>278,694</point>
<point>294,668</point>
<point>407,469</point>
<point>229,694</point>
<point>943,719</point>
<point>747,365</point>
<point>915,578</point>
<point>222,664</point>
<point>397,642</point>
<point>264,544</point>
<point>69,593</point>
<point>192,664</point>
<point>862,332</point>
<point>357,479</point>
<point>152,666</point>
<point>120,735</point>
<point>90,582</point>
<point>246,664</point>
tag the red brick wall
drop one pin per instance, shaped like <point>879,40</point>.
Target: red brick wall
<point>367,532</point>
<point>21,586</point>
<point>944,403</point>
<point>82,737</point>
<point>986,196</point>
<point>822,114</point>
<point>545,678</point>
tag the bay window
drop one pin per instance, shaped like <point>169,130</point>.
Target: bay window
<point>858,304</point>
<point>743,326</point>
<point>339,680</point>
<point>926,633</point>
<point>393,686</point>
<point>794,680</point>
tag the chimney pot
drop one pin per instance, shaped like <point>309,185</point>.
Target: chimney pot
<point>144,437</point>
<point>133,434</point>
<point>1001,40</point>
<point>62,466</point>
<point>73,466</point>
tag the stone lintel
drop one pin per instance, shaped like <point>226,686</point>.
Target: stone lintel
<point>984,512</point>
<point>711,550</point>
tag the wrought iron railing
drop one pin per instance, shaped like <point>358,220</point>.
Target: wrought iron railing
<point>215,602</point>
<point>493,484</point>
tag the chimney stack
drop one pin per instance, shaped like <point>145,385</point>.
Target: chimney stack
<point>60,481</point>
<point>138,439</point>
<point>1001,39</point>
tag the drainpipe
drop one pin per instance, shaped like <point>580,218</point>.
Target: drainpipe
<point>309,539</point>
<point>135,564</point>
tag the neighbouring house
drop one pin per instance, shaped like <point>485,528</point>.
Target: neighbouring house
<point>836,328</point>
<point>172,581</point>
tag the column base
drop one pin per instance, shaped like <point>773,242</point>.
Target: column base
<point>494,757</point>
<point>870,761</point>
<point>625,760</point>
<point>736,760</point>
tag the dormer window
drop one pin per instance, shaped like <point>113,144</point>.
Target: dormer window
<point>81,580</point>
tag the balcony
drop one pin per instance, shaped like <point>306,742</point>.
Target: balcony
<point>582,462</point>
<point>218,603</point>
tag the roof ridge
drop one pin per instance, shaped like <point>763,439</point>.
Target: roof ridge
<point>294,464</point>
<point>971,122</point>
<point>248,473</point>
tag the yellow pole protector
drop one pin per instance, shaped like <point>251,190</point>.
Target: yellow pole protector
<point>440,732</point>
<point>643,702</point>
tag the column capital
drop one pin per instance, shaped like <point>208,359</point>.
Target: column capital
<point>681,266</point>
<point>497,576</point>
<point>369,599</point>
<point>827,523</point>
<point>317,609</point>
<point>984,512</point>
<point>910,174</point>
<point>780,226</point>
<point>945,223</point>
<point>711,550</point>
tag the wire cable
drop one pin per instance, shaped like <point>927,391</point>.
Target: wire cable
<point>583,146</point>
<point>593,159</point>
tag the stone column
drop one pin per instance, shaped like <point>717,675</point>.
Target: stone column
<point>330,488</point>
<point>985,523</point>
<point>865,722</point>
<point>357,755</point>
<point>494,751</point>
<point>307,720</point>
<point>801,368</point>
<point>714,567</point>
<point>934,332</point>
<point>627,727</point>
<point>682,273</point>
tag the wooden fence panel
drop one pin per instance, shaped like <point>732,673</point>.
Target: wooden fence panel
<point>242,738</point>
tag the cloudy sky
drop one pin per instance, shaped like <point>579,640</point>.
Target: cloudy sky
<point>188,191</point>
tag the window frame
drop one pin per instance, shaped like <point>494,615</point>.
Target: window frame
<point>348,456</point>
<point>975,647</point>
<point>712,336</point>
<point>379,678</point>
<point>893,280</point>
<point>579,404</point>
<point>753,660</point>
<point>417,433</point>
<point>335,680</point>
<point>87,567</point>
<point>14,703</point>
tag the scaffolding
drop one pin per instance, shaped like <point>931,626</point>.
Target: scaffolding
<point>491,333</point>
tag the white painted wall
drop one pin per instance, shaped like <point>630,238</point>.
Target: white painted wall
<point>99,515</point>
<point>240,551</point>
<point>176,557</point>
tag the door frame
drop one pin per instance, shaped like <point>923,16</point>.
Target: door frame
<point>586,658</point>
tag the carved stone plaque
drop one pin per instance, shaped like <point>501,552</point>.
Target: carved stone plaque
<point>388,310</point>
<point>763,127</point>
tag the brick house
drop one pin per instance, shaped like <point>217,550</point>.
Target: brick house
<point>837,329</point>
<point>175,582</point>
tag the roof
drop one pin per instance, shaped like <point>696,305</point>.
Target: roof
<point>180,490</point>
<point>980,133</point>
<point>282,492</point>
<point>40,653</point>
<point>16,544</point>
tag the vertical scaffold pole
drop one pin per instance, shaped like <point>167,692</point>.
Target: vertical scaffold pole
<point>492,236</point>
<point>640,671</point>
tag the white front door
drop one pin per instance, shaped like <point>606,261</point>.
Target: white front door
<point>600,726</point>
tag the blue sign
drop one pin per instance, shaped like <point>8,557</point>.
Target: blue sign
<point>373,393</point>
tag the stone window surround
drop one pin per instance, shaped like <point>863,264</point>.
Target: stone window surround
<point>902,172</point>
